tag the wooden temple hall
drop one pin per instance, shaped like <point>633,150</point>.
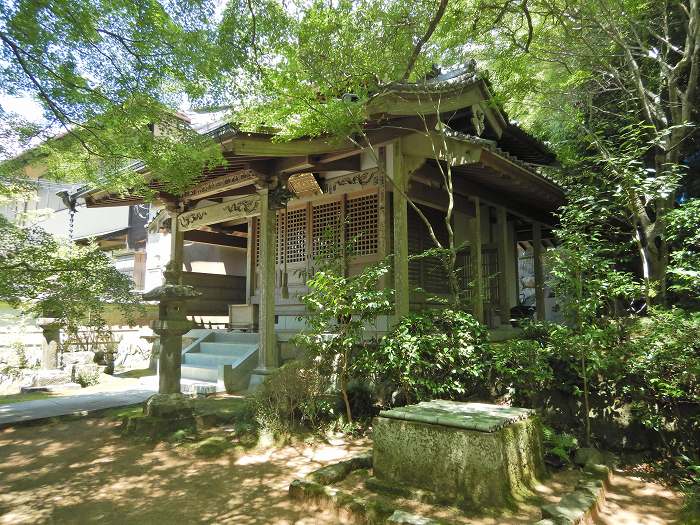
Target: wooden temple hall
<point>267,212</point>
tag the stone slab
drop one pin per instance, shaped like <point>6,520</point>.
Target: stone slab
<point>481,417</point>
<point>50,388</point>
<point>17,413</point>
<point>494,463</point>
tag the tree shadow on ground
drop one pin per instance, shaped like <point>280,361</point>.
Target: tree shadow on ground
<point>84,472</point>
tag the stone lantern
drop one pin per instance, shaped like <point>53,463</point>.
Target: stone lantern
<point>51,330</point>
<point>171,325</point>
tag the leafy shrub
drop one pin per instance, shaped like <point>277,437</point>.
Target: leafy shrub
<point>521,368</point>
<point>293,396</point>
<point>642,372</point>
<point>559,445</point>
<point>88,376</point>
<point>662,365</point>
<point>435,353</point>
<point>690,485</point>
<point>339,308</point>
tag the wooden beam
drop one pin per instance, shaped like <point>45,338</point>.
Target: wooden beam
<point>434,146</point>
<point>230,181</point>
<point>474,236</point>
<point>237,208</point>
<point>177,242</point>
<point>398,180</point>
<point>464,187</point>
<point>393,103</point>
<point>350,163</point>
<point>503,262</point>
<point>293,164</point>
<point>267,354</point>
<point>428,195</point>
<point>218,239</point>
<point>539,270</point>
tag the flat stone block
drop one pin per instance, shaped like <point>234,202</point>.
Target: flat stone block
<point>472,454</point>
<point>50,388</point>
<point>405,518</point>
<point>199,389</point>
<point>51,377</point>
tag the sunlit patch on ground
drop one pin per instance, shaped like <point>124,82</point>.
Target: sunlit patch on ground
<point>84,472</point>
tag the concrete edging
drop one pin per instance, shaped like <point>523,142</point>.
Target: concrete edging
<point>314,488</point>
<point>584,502</point>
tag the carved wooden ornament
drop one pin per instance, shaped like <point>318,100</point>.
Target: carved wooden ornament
<point>238,208</point>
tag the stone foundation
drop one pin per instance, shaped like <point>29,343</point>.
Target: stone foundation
<point>474,455</point>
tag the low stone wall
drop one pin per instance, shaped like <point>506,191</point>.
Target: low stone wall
<point>582,505</point>
<point>492,467</point>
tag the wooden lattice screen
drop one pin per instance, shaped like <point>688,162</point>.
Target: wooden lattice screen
<point>325,231</point>
<point>296,235</point>
<point>325,222</point>
<point>427,273</point>
<point>362,229</point>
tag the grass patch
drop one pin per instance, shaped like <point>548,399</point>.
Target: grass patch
<point>212,446</point>
<point>19,398</point>
<point>137,373</point>
<point>122,412</point>
<point>224,405</point>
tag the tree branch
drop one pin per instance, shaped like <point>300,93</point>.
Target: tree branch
<point>424,39</point>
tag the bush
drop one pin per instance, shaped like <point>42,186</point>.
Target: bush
<point>521,369</point>
<point>88,375</point>
<point>643,378</point>
<point>435,353</point>
<point>294,396</point>
<point>559,446</point>
<point>662,365</point>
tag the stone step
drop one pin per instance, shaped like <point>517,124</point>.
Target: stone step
<point>209,359</point>
<point>200,372</point>
<point>237,337</point>
<point>230,349</point>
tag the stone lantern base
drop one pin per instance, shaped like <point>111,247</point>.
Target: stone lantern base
<point>162,415</point>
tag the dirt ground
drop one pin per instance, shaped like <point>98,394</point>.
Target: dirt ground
<point>83,472</point>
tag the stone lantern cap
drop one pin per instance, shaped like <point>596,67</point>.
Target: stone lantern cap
<point>468,416</point>
<point>171,292</point>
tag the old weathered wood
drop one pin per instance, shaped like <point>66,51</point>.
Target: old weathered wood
<point>398,177</point>
<point>267,353</point>
<point>215,238</point>
<point>434,146</point>
<point>236,208</point>
<point>503,262</point>
<point>474,234</point>
<point>230,181</point>
<point>539,270</point>
<point>177,241</point>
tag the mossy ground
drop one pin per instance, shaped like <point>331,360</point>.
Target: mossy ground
<point>19,398</point>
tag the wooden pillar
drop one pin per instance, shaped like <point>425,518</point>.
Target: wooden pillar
<point>399,178</point>
<point>250,261</point>
<point>267,353</point>
<point>474,233</point>
<point>177,243</point>
<point>539,270</point>
<point>503,250</point>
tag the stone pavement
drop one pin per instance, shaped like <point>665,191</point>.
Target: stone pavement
<point>73,404</point>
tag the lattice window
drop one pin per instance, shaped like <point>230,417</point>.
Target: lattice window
<point>296,236</point>
<point>489,275</point>
<point>361,226</point>
<point>326,228</point>
<point>278,220</point>
<point>489,269</point>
